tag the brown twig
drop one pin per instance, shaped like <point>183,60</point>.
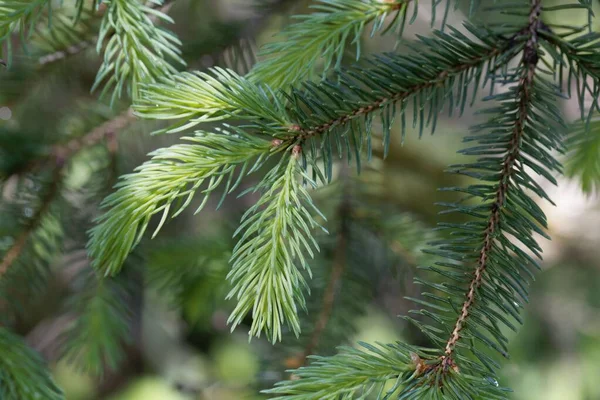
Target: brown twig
<point>18,246</point>
<point>439,80</point>
<point>96,135</point>
<point>93,137</point>
<point>529,61</point>
<point>60,154</point>
<point>71,50</point>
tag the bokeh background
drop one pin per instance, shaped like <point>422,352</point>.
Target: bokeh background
<point>180,346</point>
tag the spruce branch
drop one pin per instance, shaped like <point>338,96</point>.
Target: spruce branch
<point>438,76</point>
<point>69,50</point>
<point>526,129</point>
<point>170,180</point>
<point>350,374</point>
<point>274,233</point>
<point>196,97</point>
<point>451,60</point>
<point>19,245</point>
<point>223,94</point>
<point>23,374</point>
<point>67,150</point>
<point>134,49</point>
<point>525,85</point>
<point>20,16</point>
<point>65,32</point>
<point>70,31</point>
<point>323,35</point>
<point>581,56</point>
<point>104,131</point>
<point>582,159</point>
<point>93,340</point>
<point>487,260</point>
<point>339,115</point>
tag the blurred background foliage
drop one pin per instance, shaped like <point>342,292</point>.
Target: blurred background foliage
<point>176,344</point>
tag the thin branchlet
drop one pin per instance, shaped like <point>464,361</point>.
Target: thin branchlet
<point>439,80</point>
<point>59,156</point>
<point>529,61</point>
<point>96,135</point>
<point>105,131</point>
<point>19,245</point>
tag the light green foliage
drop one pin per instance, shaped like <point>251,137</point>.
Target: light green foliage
<point>583,159</point>
<point>202,97</point>
<point>167,184</point>
<point>273,234</point>
<point>322,36</point>
<point>20,16</point>
<point>23,374</point>
<point>136,51</point>
<point>94,339</point>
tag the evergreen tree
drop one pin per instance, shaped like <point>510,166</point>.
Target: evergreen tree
<point>275,131</point>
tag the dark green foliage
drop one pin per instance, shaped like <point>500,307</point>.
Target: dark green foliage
<point>32,241</point>
<point>23,374</point>
<point>19,16</point>
<point>338,116</point>
<point>100,327</point>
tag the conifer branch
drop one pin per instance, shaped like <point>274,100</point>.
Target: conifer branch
<point>323,36</point>
<point>71,50</point>
<point>275,234</point>
<point>529,62</point>
<point>68,32</point>
<point>68,47</point>
<point>134,49</point>
<point>96,135</point>
<point>353,372</point>
<point>581,55</point>
<point>583,161</point>
<point>170,180</point>
<point>23,373</point>
<point>65,151</point>
<point>14,252</point>
<point>21,16</point>
<point>59,156</point>
<point>360,93</point>
<point>94,339</point>
<point>428,82</point>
